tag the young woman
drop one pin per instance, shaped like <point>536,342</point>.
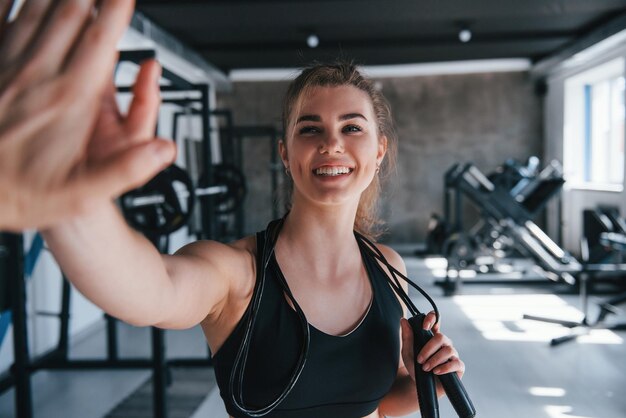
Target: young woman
<point>338,141</point>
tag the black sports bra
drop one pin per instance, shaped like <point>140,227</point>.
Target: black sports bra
<point>343,377</point>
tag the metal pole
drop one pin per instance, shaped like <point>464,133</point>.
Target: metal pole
<point>111,337</point>
<point>274,174</point>
<point>64,331</point>
<point>21,366</point>
<point>208,218</point>
<point>159,376</point>
<point>159,362</point>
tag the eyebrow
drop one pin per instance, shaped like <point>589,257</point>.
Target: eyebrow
<point>317,118</point>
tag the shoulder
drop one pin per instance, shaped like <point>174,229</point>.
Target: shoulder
<point>235,261</point>
<point>396,262</point>
<point>392,257</point>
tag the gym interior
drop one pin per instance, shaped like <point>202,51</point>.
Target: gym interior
<point>507,205</point>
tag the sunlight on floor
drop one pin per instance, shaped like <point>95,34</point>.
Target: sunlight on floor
<point>500,318</point>
<point>561,411</point>
<point>547,392</point>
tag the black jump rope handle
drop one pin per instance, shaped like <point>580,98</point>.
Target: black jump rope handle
<point>425,381</point>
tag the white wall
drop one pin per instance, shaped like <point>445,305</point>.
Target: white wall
<point>575,200</point>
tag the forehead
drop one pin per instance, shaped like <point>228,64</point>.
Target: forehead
<point>328,101</point>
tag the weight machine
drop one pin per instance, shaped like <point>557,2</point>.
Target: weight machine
<point>508,201</point>
<point>603,249</point>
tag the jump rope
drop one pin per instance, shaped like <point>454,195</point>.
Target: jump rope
<point>425,381</point>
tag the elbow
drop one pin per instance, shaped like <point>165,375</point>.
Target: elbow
<point>140,318</point>
<point>137,322</point>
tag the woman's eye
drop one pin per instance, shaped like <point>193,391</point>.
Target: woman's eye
<point>352,128</point>
<point>309,130</point>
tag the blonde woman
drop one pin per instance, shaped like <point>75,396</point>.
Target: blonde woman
<point>338,142</point>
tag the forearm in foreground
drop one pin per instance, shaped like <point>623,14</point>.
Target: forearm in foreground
<point>112,265</point>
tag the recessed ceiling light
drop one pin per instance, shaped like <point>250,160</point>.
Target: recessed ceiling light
<point>312,41</point>
<point>465,35</point>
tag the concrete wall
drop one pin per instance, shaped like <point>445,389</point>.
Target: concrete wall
<point>484,118</point>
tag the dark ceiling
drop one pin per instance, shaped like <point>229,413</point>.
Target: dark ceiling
<point>272,34</point>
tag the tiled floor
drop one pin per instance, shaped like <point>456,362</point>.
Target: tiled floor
<point>512,371</point>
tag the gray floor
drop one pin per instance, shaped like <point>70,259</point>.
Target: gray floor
<point>511,369</point>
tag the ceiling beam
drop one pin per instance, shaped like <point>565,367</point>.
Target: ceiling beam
<point>335,11</point>
<point>162,39</point>
<point>477,38</point>
<point>543,67</point>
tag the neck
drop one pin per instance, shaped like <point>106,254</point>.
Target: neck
<point>320,233</point>
<point>334,223</point>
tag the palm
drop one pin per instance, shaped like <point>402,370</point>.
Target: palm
<point>109,135</point>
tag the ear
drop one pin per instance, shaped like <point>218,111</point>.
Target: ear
<point>382,149</point>
<point>282,150</point>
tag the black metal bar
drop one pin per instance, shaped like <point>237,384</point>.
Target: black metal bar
<point>139,55</point>
<point>176,80</point>
<point>5,259</point>
<point>185,102</point>
<point>111,324</point>
<point>159,361</point>
<point>165,88</point>
<point>7,381</point>
<point>20,368</point>
<point>274,173</point>
<point>458,210</point>
<point>136,56</point>
<point>64,316</point>
<point>159,374</point>
<point>208,219</point>
<point>235,153</point>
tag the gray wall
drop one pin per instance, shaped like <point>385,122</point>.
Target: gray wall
<point>483,118</point>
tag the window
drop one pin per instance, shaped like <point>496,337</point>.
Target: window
<point>593,148</point>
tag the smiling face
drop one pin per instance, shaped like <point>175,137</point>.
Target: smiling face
<point>333,146</point>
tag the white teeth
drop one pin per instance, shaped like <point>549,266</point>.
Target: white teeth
<point>332,171</point>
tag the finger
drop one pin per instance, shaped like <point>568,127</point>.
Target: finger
<point>21,32</point>
<point>432,346</point>
<point>130,168</point>
<point>60,34</point>
<point>429,321</point>
<point>453,365</point>
<point>92,61</point>
<point>407,338</point>
<point>407,347</point>
<point>144,109</point>
<point>443,355</point>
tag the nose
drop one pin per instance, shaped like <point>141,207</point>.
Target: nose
<point>331,144</point>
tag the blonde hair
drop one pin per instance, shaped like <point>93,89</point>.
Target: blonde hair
<point>367,221</point>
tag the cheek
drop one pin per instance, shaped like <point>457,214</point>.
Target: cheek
<point>369,152</point>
